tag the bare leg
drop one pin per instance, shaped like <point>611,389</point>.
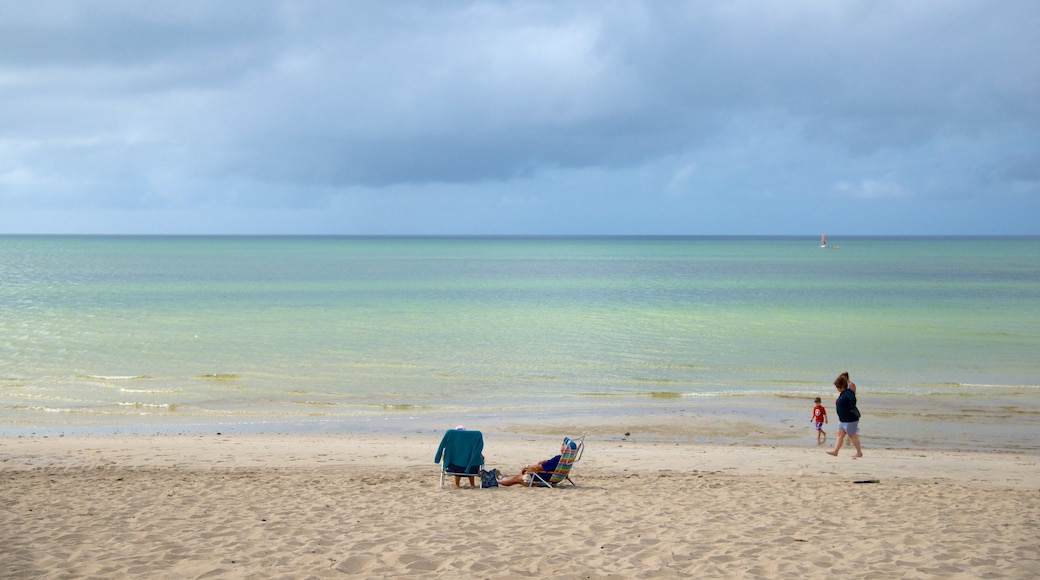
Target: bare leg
<point>458,480</point>
<point>838,443</point>
<point>471,481</point>
<point>855,441</point>
<point>512,480</point>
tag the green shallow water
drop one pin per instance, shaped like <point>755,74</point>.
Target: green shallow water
<point>151,332</point>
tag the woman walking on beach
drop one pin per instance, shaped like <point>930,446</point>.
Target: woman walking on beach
<point>848,414</point>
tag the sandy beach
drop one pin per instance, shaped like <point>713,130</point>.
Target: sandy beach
<point>301,506</point>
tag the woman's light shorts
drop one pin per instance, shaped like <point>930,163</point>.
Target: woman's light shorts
<point>850,428</point>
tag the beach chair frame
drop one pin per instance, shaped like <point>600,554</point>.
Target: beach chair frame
<point>563,469</point>
<point>466,452</point>
<point>445,473</point>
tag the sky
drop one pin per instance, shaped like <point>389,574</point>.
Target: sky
<point>520,117</point>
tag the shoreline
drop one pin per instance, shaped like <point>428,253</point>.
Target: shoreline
<point>751,421</point>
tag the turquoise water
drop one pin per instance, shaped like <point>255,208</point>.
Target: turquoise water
<point>273,333</point>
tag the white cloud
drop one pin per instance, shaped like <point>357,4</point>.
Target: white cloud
<point>871,189</point>
<point>680,181</point>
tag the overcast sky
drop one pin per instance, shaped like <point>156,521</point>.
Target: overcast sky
<point>603,117</point>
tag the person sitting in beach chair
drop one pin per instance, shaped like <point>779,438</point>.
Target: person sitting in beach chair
<point>460,454</point>
<point>550,472</point>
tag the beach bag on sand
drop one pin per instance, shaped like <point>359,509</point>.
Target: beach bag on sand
<point>488,478</point>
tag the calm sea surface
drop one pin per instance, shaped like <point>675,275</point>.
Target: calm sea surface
<point>160,334</point>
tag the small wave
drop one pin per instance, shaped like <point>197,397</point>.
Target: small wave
<point>733,393</point>
<point>800,382</point>
<point>38,395</point>
<point>221,376</point>
<point>115,377</point>
<point>969,390</point>
<point>45,409</point>
<point>148,391</point>
<point>983,386</point>
<point>73,410</point>
<point>674,394</point>
<point>799,395</point>
<point>136,405</point>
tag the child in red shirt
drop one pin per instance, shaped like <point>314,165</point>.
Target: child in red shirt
<point>819,417</point>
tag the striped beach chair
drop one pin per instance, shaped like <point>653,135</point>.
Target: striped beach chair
<point>575,447</point>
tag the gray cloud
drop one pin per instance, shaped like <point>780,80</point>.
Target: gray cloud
<point>124,104</point>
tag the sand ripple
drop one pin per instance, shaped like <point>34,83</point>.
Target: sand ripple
<point>318,522</point>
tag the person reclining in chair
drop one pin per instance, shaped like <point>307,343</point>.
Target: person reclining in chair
<point>544,469</point>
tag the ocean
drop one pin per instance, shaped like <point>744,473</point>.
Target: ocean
<point>412,334</point>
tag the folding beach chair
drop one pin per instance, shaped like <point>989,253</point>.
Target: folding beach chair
<point>460,454</point>
<point>575,447</point>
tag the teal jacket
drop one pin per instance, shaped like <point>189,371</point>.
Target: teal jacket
<point>461,449</point>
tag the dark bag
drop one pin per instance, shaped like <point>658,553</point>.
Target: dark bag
<point>855,411</point>
<point>489,478</point>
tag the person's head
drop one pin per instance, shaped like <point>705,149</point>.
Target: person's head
<point>816,400</point>
<point>842,382</point>
<point>568,445</point>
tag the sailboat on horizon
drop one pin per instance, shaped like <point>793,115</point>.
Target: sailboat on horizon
<point>823,240</point>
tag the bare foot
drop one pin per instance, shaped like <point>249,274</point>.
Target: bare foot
<point>857,456</point>
<point>834,453</point>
